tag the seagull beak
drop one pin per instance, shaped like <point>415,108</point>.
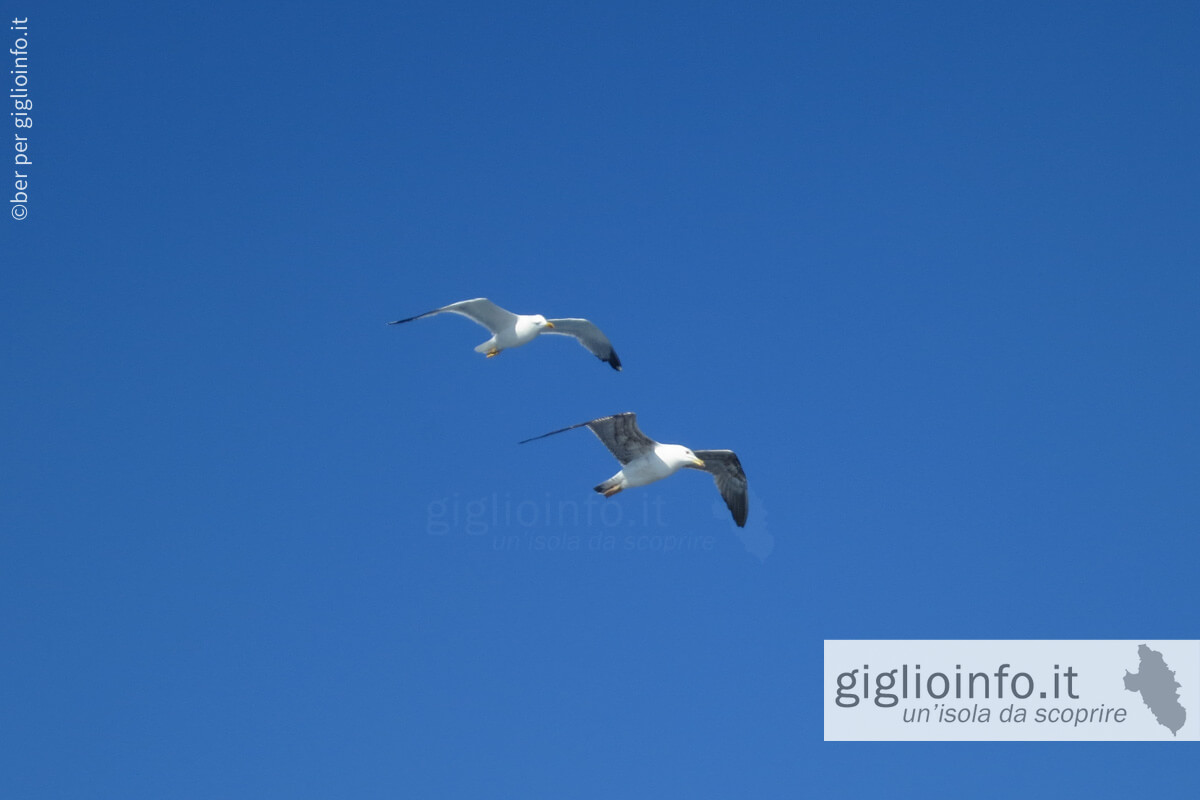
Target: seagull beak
<point>549,324</point>
<point>698,462</point>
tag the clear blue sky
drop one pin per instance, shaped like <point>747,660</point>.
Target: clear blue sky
<point>930,269</point>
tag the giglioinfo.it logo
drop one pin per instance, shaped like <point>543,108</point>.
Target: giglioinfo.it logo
<point>1014,690</point>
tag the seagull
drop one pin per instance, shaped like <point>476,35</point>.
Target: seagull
<point>644,461</point>
<point>513,330</point>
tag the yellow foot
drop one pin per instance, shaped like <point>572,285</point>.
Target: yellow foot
<point>612,491</point>
<point>492,353</point>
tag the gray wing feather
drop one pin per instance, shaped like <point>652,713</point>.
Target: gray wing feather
<point>727,473</point>
<point>480,310</point>
<point>619,433</point>
<point>589,336</point>
<point>622,436</point>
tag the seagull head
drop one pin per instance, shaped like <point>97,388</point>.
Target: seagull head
<point>691,458</point>
<point>676,456</point>
<point>541,322</point>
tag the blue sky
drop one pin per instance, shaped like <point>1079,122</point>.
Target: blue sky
<point>930,269</point>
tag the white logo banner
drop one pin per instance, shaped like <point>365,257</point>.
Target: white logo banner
<point>1012,690</point>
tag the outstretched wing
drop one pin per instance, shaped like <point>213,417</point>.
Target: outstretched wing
<point>619,433</point>
<point>622,437</point>
<point>730,479</point>
<point>589,336</point>
<point>480,310</point>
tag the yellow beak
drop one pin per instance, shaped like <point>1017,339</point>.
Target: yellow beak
<point>698,462</point>
<point>549,324</point>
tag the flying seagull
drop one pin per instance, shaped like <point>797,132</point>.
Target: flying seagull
<point>513,330</point>
<point>644,461</point>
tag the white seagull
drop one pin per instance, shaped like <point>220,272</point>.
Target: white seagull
<point>513,330</point>
<point>644,461</point>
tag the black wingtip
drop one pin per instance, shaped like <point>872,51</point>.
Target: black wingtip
<point>613,361</point>
<point>543,436</point>
<point>560,430</point>
<point>411,319</point>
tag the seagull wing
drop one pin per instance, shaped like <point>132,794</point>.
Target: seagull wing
<point>621,436</point>
<point>589,336</point>
<point>730,479</point>
<point>480,310</point>
<point>619,433</point>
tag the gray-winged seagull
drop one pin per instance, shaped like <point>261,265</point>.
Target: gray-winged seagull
<point>513,330</point>
<point>644,461</point>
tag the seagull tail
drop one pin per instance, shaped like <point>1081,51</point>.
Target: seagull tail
<point>609,487</point>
